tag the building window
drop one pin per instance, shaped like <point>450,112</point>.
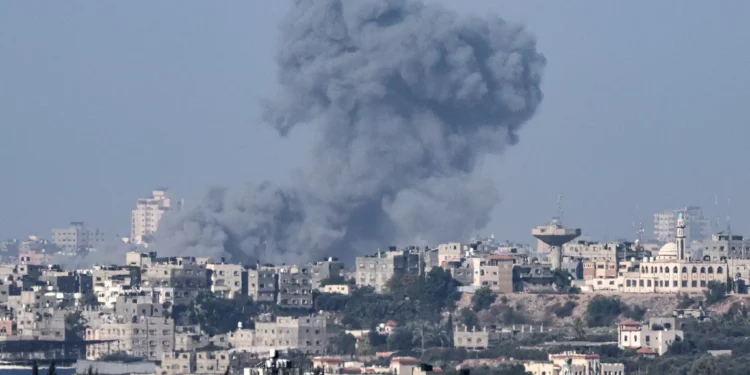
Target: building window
<point>710,269</point>
<point>719,270</point>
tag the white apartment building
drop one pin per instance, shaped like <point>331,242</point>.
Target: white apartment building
<point>697,225</point>
<point>148,214</point>
<point>657,335</point>
<point>77,236</point>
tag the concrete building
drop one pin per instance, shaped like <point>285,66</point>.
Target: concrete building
<point>295,287</point>
<point>77,237</point>
<point>671,271</point>
<point>44,324</point>
<point>148,213</point>
<point>722,246</point>
<point>306,334</point>
<point>494,272</point>
<point>591,251</point>
<point>261,284</point>
<point>145,337</point>
<point>178,280</point>
<point>227,280</point>
<point>657,336</point>
<point>573,363</point>
<point>345,289</point>
<point>376,270</point>
<point>327,269</point>
<point>697,224</point>
<point>479,339</point>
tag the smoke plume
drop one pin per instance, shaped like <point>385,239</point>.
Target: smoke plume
<point>406,99</point>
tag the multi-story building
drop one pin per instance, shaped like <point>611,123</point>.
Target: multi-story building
<point>723,246</point>
<point>375,271</point>
<point>200,362</point>
<point>574,363</point>
<point>306,334</point>
<point>671,271</point>
<point>44,324</point>
<point>178,280</point>
<point>76,237</point>
<point>494,272</point>
<point>227,280</point>
<point>142,336</point>
<point>189,338</point>
<point>697,224</point>
<point>148,213</point>
<point>591,251</point>
<point>326,269</point>
<point>295,287</point>
<point>261,284</point>
<point>656,336</point>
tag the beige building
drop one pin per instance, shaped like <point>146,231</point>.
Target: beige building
<point>148,213</point>
<point>306,334</point>
<point>146,337</point>
<point>226,279</point>
<point>574,364</point>
<point>479,339</point>
<point>337,289</point>
<point>656,335</point>
<point>178,280</point>
<point>45,324</point>
<point>494,272</point>
<point>77,236</point>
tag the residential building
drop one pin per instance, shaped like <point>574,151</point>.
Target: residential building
<point>697,224</point>
<point>592,251</point>
<point>143,336</point>
<point>261,284</point>
<point>574,363</point>
<point>44,324</point>
<point>722,246</point>
<point>77,237</point>
<point>494,272</point>
<point>479,339</point>
<point>657,336</point>
<point>345,289</point>
<point>327,269</point>
<point>376,270</point>
<point>227,280</point>
<point>148,213</point>
<point>306,334</point>
<point>295,287</point>
<point>178,280</point>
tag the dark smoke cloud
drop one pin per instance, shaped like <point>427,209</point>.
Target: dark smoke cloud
<point>406,99</point>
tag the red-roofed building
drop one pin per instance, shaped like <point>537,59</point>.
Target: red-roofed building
<point>656,337</point>
<point>575,362</point>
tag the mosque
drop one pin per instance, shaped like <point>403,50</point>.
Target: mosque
<point>671,271</point>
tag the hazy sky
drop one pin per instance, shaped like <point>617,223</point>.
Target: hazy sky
<point>646,105</point>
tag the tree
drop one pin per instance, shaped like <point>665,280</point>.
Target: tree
<point>565,310</point>
<point>602,311</point>
<point>35,369</point>
<point>400,339</point>
<point>716,292</point>
<point>343,343</point>
<point>333,280</point>
<point>635,312</point>
<point>90,299</point>
<point>469,318</point>
<point>220,315</point>
<point>75,326</point>
<point>330,301</point>
<point>482,299</point>
<point>561,279</point>
<point>706,365</point>
<point>52,370</point>
<point>578,327</point>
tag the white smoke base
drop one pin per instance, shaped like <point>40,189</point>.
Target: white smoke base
<point>407,100</point>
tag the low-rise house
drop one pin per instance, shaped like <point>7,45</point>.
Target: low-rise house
<point>656,335</point>
<point>574,363</point>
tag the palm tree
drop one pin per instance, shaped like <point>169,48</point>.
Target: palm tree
<point>35,369</point>
<point>51,370</point>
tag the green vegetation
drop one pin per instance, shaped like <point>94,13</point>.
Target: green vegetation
<point>482,299</point>
<point>716,292</point>
<point>563,310</point>
<point>75,326</point>
<point>218,315</point>
<point>603,311</point>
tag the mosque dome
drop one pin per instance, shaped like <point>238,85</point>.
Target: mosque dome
<point>669,251</point>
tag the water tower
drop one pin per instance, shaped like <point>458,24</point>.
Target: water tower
<point>555,236</point>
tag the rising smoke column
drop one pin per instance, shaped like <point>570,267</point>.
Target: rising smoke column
<point>406,99</point>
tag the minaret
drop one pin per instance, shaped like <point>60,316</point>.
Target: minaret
<point>681,236</point>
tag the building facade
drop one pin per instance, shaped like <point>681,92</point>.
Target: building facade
<point>376,270</point>
<point>148,213</point>
<point>698,226</point>
<point>76,237</point>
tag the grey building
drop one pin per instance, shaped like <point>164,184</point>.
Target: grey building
<point>261,283</point>
<point>77,236</point>
<point>295,287</point>
<point>697,224</point>
<point>326,269</point>
<point>378,269</point>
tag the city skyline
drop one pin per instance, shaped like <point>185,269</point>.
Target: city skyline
<point>656,113</point>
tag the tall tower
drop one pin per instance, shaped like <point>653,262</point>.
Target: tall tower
<point>681,235</point>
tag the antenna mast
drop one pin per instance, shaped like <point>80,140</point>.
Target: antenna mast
<point>559,208</point>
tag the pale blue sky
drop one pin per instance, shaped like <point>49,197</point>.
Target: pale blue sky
<point>646,104</point>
